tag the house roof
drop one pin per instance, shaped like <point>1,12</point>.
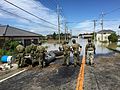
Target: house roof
<point>6,30</point>
<point>106,31</point>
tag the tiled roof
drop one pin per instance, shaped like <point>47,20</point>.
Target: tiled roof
<point>12,31</point>
<point>106,31</point>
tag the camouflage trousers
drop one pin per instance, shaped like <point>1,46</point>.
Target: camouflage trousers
<point>40,59</point>
<point>90,57</point>
<point>33,56</point>
<point>66,59</point>
<point>20,58</point>
<point>76,58</point>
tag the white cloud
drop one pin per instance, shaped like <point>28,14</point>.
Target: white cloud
<point>40,10</point>
<point>88,25</point>
<point>34,7</point>
<point>83,27</point>
<point>0,14</point>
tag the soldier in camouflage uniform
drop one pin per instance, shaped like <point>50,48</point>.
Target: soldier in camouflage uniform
<point>20,54</point>
<point>89,52</point>
<point>28,51</point>
<point>66,51</point>
<point>76,49</point>
<point>33,51</point>
<point>40,54</point>
<point>28,55</point>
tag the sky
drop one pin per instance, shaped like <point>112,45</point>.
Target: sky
<point>79,15</point>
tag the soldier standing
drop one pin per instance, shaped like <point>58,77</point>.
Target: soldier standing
<point>76,49</point>
<point>33,51</point>
<point>66,51</point>
<point>40,54</point>
<point>20,54</point>
<point>28,55</point>
<point>89,52</point>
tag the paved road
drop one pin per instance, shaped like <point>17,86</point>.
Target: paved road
<point>105,75</point>
<point>53,77</point>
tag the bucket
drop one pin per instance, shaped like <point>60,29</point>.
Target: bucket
<point>6,59</point>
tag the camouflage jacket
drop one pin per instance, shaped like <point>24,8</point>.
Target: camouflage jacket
<point>27,49</point>
<point>66,48</point>
<point>40,49</point>
<point>32,48</point>
<point>75,48</point>
<point>90,47</point>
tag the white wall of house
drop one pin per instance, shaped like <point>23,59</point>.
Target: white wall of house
<point>104,36</point>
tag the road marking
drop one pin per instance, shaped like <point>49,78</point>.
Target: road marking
<point>12,75</point>
<point>81,75</point>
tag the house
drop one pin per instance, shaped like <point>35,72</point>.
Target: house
<point>103,35</point>
<point>86,35</point>
<point>11,33</point>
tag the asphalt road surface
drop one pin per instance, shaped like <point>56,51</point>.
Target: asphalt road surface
<point>53,77</point>
<point>105,75</point>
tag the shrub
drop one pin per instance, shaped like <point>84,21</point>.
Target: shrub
<point>113,37</point>
<point>5,52</point>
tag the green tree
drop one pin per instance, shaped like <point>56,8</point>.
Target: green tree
<point>113,37</point>
<point>54,35</point>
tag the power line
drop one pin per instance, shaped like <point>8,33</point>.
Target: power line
<point>26,19</point>
<point>111,11</point>
<point>53,10</point>
<point>111,20</point>
<point>29,13</point>
<point>58,21</point>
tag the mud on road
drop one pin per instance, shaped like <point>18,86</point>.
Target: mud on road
<point>105,75</point>
<point>53,77</point>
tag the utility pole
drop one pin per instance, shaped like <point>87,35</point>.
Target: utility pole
<point>94,29</point>
<point>71,33</point>
<point>58,12</point>
<point>102,15</point>
<point>65,32</point>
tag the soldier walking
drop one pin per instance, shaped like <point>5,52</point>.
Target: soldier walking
<point>40,54</point>
<point>66,51</point>
<point>76,49</point>
<point>20,54</point>
<point>89,52</point>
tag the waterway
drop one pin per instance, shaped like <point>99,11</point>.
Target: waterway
<point>100,47</point>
